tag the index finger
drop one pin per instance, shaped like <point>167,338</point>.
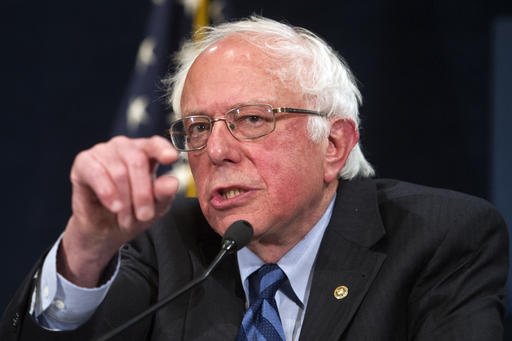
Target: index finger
<point>159,149</point>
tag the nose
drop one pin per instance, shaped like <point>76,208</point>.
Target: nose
<point>222,146</point>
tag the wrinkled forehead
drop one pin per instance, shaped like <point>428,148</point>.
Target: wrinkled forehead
<point>237,49</point>
<point>233,71</point>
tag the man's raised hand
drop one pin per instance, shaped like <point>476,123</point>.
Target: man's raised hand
<point>116,196</point>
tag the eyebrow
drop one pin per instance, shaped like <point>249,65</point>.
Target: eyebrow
<point>236,105</point>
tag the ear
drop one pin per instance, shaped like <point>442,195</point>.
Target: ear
<point>342,138</point>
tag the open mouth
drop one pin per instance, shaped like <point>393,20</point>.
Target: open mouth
<point>232,192</point>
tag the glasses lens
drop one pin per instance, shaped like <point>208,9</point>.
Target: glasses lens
<point>190,133</point>
<point>245,123</point>
<point>177,133</point>
<point>252,121</point>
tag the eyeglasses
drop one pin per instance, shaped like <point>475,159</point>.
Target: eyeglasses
<point>246,122</point>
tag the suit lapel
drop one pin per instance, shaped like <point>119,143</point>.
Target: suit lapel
<point>344,261</point>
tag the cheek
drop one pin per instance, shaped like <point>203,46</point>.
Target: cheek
<point>291,179</point>
<point>294,171</point>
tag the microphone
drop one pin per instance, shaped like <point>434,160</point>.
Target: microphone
<point>236,237</point>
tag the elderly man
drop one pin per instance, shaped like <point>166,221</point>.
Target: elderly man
<point>269,119</point>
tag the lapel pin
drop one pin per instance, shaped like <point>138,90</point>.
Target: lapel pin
<point>341,292</point>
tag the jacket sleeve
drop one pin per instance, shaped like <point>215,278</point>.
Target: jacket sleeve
<point>133,290</point>
<point>460,293</point>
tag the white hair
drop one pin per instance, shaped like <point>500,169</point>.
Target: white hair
<point>320,74</point>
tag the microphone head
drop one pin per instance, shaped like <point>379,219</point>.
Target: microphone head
<point>239,233</point>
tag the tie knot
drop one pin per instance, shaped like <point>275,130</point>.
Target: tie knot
<point>264,282</point>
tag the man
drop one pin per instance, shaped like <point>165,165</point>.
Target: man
<point>269,118</point>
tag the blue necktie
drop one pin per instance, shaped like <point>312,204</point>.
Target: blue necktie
<point>262,321</point>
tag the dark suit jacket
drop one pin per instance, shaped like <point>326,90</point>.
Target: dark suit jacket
<point>419,264</point>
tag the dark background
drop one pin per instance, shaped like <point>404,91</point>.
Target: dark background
<point>425,69</point>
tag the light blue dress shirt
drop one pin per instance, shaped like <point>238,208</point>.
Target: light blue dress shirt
<point>60,305</point>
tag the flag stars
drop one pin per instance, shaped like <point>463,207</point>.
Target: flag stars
<point>137,113</point>
<point>146,54</point>
<point>190,6</point>
<point>215,9</point>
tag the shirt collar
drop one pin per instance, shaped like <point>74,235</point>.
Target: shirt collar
<point>296,263</point>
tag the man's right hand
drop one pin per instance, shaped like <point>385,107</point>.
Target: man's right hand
<point>115,197</point>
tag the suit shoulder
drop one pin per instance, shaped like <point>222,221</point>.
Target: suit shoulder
<point>185,214</point>
<point>391,191</point>
<point>184,227</point>
<point>437,213</point>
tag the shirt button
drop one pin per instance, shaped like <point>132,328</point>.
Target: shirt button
<point>59,304</point>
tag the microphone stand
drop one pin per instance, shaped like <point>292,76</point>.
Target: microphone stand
<point>228,246</point>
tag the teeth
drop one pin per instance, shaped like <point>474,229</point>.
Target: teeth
<point>231,193</point>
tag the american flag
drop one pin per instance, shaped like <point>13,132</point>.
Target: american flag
<point>144,111</point>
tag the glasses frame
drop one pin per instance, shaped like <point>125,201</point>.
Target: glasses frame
<point>212,121</point>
